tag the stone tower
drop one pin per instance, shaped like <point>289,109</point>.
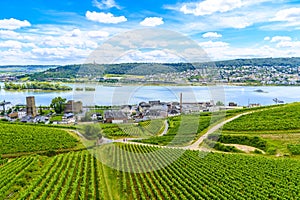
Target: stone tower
<point>30,106</point>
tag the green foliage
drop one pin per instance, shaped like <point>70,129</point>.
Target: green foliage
<point>92,131</point>
<point>278,118</point>
<point>58,104</point>
<point>79,175</point>
<point>35,85</point>
<point>182,130</point>
<point>294,149</point>
<point>241,139</point>
<point>221,147</point>
<point>219,103</point>
<point>142,129</point>
<point>256,151</point>
<point>16,138</point>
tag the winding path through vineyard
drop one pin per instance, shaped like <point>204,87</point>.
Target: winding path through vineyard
<point>196,144</point>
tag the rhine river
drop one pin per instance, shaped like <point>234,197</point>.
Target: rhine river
<point>105,95</point>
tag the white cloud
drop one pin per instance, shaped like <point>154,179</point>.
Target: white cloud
<point>288,15</point>
<point>208,7</point>
<point>211,35</point>
<point>280,38</point>
<point>152,21</point>
<point>288,44</point>
<point>105,4</point>
<point>236,22</point>
<point>212,44</point>
<point>75,33</point>
<point>12,24</point>
<point>106,18</point>
<point>154,56</point>
<point>267,38</point>
<point>98,34</point>
<point>12,44</point>
<point>8,34</point>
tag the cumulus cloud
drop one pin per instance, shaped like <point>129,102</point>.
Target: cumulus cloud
<point>154,56</point>
<point>12,24</point>
<point>152,21</point>
<point>208,7</point>
<point>98,34</point>
<point>288,15</point>
<point>212,44</point>
<point>267,38</point>
<point>12,44</point>
<point>211,35</point>
<point>8,34</point>
<point>280,38</point>
<point>106,18</point>
<point>105,4</point>
<point>76,32</point>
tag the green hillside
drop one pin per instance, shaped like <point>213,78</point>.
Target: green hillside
<point>79,175</point>
<point>98,70</point>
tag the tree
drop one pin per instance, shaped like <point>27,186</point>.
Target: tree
<point>220,103</point>
<point>92,131</point>
<point>58,104</point>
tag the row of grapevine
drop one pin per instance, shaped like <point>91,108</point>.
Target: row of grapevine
<point>16,138</point>
<point>160,173</point>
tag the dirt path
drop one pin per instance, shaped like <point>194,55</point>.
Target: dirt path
<point>244,148</point>
<point>166,128</point>
<point>196,144</point>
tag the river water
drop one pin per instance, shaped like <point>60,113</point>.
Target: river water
<point>105,95</point>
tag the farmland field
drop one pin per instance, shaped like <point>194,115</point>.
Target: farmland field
<point>276,129</point>
<point>278,118</point>
<point>15,138</point>
<point>133,171</point>
<point>79,175</point>
<point>141,129</point>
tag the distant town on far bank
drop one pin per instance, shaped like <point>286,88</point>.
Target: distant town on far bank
<point>255,71</point>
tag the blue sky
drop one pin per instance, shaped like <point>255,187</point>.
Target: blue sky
<point>66,32</point>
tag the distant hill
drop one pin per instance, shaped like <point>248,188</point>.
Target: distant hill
<point>24,69</point>
<point>292,62</point>
<point>98,70</point>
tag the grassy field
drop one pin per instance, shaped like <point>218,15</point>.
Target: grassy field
<point>79,175</point>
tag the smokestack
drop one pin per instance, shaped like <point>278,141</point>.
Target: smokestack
<point>180,102</point>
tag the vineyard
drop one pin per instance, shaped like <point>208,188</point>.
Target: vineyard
<point>184,129</point>
<point>274,129</point>
<point>278,118</point>
<point>16,138</point>
<point>141,129</point>
<point>79,175</point>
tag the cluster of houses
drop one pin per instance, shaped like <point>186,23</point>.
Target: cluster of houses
<point>153,110</point>
<point>74,111</point>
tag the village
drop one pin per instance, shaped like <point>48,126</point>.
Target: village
<point>73,112</point>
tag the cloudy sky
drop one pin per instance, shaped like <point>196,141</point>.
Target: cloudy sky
<point>66,32</point>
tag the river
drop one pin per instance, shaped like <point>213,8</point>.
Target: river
<point>105,95</point>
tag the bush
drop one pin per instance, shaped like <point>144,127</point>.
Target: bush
<point>256,151</point>
<point>271,150</point>
<point>294,149</point>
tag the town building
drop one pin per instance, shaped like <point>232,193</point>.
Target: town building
<point>72,106</point>
<point>30,106</point>
<point>115,116</point>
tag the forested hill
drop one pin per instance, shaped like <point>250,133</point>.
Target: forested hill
<point>97,70</point>
<point>292,62</point>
